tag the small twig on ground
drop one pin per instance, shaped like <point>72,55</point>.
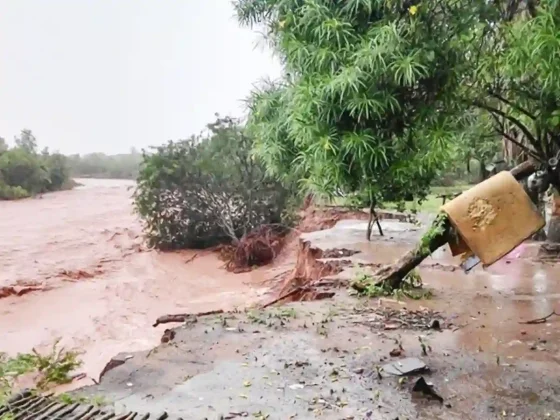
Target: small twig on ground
<point>285,296</point>
<point>458,327</point>
<point>539,320</point>
<point>164,319</point>
<point>113,236</point>
<point>191,258</point>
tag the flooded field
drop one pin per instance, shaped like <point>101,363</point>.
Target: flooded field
<point>73,266</point>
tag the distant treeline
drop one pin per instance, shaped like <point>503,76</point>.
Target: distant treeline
<point>24,171</point>
<point>100,165</point>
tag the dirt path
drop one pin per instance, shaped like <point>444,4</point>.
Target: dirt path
<point>98,288</point>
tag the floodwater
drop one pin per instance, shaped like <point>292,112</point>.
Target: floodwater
<point>73,266</point>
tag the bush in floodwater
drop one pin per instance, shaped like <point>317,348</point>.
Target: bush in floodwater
<point>206,190</point>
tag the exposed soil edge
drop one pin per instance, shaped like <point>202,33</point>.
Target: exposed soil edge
<point>309,269</point>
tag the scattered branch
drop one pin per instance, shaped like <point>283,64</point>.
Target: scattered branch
<point>286,295</point>
<point>165,319</point>
<point>539,320</point>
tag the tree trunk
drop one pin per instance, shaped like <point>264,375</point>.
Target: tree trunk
<point>437,236</point>
<point>553,232</point>
<point>536,198</point>
<point>483,171</point>
<point>373,219</point>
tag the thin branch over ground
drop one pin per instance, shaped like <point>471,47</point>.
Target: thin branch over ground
<point>539,320</point>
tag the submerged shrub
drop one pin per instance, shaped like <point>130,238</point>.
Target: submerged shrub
<point>206,190</point>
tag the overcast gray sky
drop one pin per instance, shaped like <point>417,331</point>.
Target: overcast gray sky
<point>107,75</point>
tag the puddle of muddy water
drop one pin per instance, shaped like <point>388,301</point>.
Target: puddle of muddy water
<point>487,305</point>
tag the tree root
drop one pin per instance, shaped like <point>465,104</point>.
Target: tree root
<point>164,319</point>
<point>286,295</point>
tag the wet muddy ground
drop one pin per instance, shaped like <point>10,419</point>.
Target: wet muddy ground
<point>323,359</point>
<point>101,290</point>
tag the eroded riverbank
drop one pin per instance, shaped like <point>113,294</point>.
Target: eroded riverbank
<point>78,261</point>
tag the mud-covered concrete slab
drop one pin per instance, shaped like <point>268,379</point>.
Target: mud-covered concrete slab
<point>352,232</point>
<point>324,360</point>
<point>350,236</point>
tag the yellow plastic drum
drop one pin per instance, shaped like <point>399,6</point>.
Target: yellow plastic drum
<point>492,218</point>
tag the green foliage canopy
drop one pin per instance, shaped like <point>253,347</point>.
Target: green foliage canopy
<point>24,172</point>
<point>517,82</point>
<point>100,165</point>
<point>368,99</point>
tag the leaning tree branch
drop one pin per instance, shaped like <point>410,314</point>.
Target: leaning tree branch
<point>500,128</point>
<point>508,117</point>
<point>438,235</point>
<point>511,104</point>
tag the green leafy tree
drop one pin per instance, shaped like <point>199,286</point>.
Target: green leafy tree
<point>479,142</point>
<point>59,172</point>
<point>27,141</point>
<point>375,92</point>
<point>24,172</point>
<point>100,165</point>
<point>206,190</point>
<point>517,83</point>
<point>23,169</point>
<point>367,103</point>
<point>3,145</point>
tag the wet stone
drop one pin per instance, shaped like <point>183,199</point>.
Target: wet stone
<point>407,366</point>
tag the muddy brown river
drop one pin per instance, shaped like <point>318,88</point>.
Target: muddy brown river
<point>73,266</point>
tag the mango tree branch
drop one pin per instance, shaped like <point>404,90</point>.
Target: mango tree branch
<point>438,234</point>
